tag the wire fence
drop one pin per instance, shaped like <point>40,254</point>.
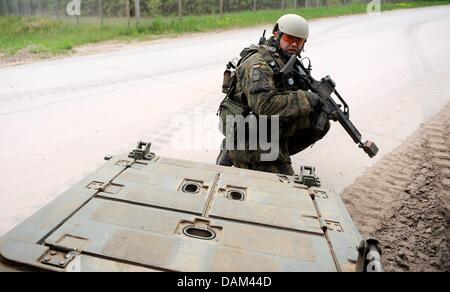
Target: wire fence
<point>137,9</point>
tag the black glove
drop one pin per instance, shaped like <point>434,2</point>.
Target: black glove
<point>314,100</point>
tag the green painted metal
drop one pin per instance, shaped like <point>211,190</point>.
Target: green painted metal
<point>165,214</point>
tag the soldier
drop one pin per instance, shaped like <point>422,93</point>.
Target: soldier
<point>260,89</point>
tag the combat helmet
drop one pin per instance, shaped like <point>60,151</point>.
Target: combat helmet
<point>292,24</point>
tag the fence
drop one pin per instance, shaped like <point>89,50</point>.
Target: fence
<point>105,9</point>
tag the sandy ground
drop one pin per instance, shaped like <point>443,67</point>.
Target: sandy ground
<point>404,200</point>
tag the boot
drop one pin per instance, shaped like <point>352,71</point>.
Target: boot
<point>223,159</point>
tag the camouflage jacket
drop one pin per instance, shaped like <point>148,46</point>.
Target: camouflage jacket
<point>268,93</point>
<point>265,92</point>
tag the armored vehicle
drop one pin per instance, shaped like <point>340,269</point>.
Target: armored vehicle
<point>143,212</point>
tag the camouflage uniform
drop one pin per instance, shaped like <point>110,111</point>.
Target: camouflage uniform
<point>262,91</point>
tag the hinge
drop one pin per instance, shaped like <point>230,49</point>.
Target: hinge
<point>308,176</point>
<point>96,185</point>
<point>59,256</point>
<point>334,226</point>
<point>142,151</point>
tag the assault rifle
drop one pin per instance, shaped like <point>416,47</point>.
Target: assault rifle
<point>329,109</point>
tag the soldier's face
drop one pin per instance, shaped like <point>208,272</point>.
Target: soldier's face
<point>290,44</point>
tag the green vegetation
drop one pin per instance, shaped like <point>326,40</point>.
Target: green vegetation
<point>44,36</point>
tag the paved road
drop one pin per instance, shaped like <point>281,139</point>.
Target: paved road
<point>58,118</point>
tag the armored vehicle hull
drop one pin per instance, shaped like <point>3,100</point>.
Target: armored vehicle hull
<point>142,212</point>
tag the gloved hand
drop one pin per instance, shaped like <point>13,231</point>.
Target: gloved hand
<point>314,100</point>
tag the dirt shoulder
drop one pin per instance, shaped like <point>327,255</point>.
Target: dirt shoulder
<point>404,201</point>
<point>27,56</point>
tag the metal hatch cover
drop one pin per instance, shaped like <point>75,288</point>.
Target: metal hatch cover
<point>162,214</point>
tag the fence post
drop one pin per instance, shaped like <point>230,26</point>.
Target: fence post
<point>295,4</point>
<point>77,17</point>
<point>282,4</point>
<point>4,8</point>
<point>7,8</point>
<point>30,7</point>
<point>137,9</point>
<point>39,7</point>
<point>15,8</point>
<point>180,9</point>
<point>100,11</point>
<point>254,5</point>
<point>21,9</point>
<point>18,8</point>
<point>27,8</point>
<point>57,9</point>
<point>127,7</point>
<point>221,7</point>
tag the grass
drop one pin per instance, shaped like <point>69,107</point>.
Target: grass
<point>46,36</point>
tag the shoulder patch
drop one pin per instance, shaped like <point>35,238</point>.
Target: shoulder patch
<point>256,72</point>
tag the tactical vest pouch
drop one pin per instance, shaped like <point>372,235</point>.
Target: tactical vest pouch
<point>230,107</point>
<point>228,76</point>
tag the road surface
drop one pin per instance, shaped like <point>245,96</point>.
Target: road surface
<point>59,118</point>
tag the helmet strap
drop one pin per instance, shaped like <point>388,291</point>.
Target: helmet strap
<point>303,47</point>
<point>277,40</point>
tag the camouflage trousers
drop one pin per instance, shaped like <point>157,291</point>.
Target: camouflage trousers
<point>296,143</point>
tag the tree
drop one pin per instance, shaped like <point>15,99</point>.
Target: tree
<point>154,7</point>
